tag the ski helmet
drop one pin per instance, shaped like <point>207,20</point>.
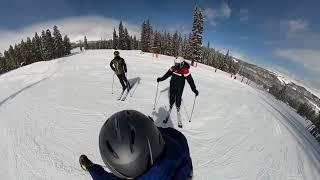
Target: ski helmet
<point>130,143</point>
<point>178,62</point>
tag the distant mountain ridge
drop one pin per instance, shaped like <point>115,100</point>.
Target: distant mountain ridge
<point>268,79</point>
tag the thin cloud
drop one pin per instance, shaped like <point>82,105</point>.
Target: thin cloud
<point>244,14</point>
<point>94,27</point>
<point>244,38</point>
<point>307,57</point>
<point>296,28</point>
<point>213,15</point>
<point>298,25</point>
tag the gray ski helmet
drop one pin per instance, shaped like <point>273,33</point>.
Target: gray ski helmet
<point>130,143</point>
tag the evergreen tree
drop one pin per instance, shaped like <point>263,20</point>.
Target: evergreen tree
<point>115,40</point>
<point>136,43</point>
<point>18,55</point>
<point>197,33</point>
<point>156,39</point>
<point>189,52</point>
<point>127,39</point>
<point>146,36</point>
<point>30,52</point>
<point>143,40</point>
<point>3,66</point>
<point>12,61</point>
<point>48,45</point>
<point>122,41</point>
<point>6,57</point>
<point>175,44</point>
<point>23,51</point>
<point>58,43</point>
<point>67,45</point>
<point>37,47</point>
<point>86,46</point>
<point>43,45</point>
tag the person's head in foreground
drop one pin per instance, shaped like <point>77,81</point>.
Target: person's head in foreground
<point>132,147</point>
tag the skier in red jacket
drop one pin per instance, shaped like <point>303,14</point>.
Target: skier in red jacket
<point>179,73</point>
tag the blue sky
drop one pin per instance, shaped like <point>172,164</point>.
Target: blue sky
<point>282,35</point>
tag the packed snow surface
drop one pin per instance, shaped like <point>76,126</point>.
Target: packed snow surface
<point>51,112</point>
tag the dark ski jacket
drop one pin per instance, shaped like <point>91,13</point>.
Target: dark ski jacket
<point>118,65</point>
<point>174,164</point>
<point>178,76</point>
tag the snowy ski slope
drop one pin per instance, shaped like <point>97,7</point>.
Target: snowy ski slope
<point>51,112</point>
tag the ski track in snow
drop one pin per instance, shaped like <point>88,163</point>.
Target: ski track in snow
<point>51,113</point>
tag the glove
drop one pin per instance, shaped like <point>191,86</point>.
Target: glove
<point>125,70</point>
<point>196,92</point>
<point>158,79</point>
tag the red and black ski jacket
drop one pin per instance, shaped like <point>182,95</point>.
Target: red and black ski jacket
<point>178,76</point>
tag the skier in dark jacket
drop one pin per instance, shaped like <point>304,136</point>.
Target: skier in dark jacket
<point>179,73</point>
<point>118,65</point>
<point>132,147</point>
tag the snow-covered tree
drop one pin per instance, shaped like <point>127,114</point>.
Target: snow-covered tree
<point>122,41</point>
<point>146,33</point>
<point>196,36</point>
<point>115,40</point>
<point>37,47</point>
<point>48,45</point>
<point>3,64</point>
<point>67,45</point>
<point>156,39</point>
<point>135,43</point>
<point>29,52</point>
<point>58,43</point>
<point>127,40</point>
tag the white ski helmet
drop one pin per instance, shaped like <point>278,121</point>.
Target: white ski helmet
<point>178,62</point>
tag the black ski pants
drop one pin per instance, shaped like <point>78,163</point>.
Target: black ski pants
<point>123,80</point>
<point>175,95</point>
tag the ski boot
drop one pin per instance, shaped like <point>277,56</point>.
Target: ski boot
<point>85,163</point>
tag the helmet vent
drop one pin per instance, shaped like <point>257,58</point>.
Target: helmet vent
<point>150,152</point>
<point>133,137</point>
<point>160,139</point>
<point>116,128</point>
<point>128,113</point>
<point>111,150</point>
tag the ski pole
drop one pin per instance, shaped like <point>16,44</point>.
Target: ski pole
<point>113,82</point>
<point>195,97</point>
<point>155,99</point>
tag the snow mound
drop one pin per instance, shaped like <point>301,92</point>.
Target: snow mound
<point>51,112</point>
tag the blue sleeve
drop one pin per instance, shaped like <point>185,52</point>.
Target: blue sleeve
<point>98,173</point>
<point>184,169</point>
<point>184,166</point>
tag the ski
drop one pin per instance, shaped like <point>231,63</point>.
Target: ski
<point>120,95</point>
<point>134,87</point>
<point>125,96</point>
